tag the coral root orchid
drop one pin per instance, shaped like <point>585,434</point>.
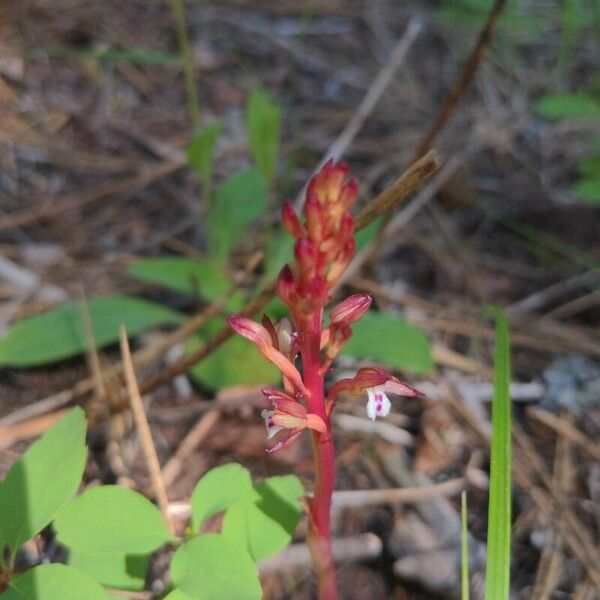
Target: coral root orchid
<point>324,247</point>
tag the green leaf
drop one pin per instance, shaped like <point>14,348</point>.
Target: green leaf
<point>269,522</point>
<point>263,123</point>
<point>111,519</point>
<point>367,234</point>
<point>219,489</point>
<point>590,165</point>
<point>392,341</point>
<point>59,333</point>
<point>177,595</point>
<point>51,582</point>
<point>279,253</point>
<point>588,188</point>
<point>118,571</point>
<point>42,480</point>
<point>213,566</point>
<point>569,106</point>
<point>236,362</point>
<point>185,275</point>
<point>200,153</point>
<point>239,201</point>
<point>497,583</point>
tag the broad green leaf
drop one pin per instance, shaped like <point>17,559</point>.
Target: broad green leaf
<point>268,523</point>
<point>236,362</point>
<point>54,582</point>
<point>263,122</point>
<point>239,201</point>
<point>118,571</point>
<point>590,165</point>
<point>185,275</point>
<point>391,340</point>
<point>42,480</point>
<point>588,188</point>
<point>367,234</point>
<point>59,333</point>
<point>497,580</point>
<point>569,106</point>
<point>213,566</point>
<point>219,489</point>
<point>111,519</point>
<point>280,252</point>
<point>177,595</point>
<point>200,153</point>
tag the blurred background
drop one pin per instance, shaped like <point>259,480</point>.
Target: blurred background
<point>146,148</point>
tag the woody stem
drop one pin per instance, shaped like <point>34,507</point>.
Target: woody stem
<point>319,535</point>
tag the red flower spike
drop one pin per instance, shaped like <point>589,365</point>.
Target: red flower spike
<point>350,310</point>
<point>324,245</point>
<point>291,221</point>
<point>286,286</point>
<point>314,217</point>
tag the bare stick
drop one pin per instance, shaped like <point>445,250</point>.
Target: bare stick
<point>144,431</point>
<point>396,193</point>
<point>350,549</point>
<point>460,85</point>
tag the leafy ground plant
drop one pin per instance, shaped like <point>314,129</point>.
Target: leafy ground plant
<point>111,532</point>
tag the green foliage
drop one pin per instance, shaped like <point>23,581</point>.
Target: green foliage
<point>184,275</point>
<point>236,362</point>
<point>117,571</point>
<point>51,582</point>
<point>261,517</point>
<point>42,480</point>
<point>392,341</point>
<point>60,334</point>
<point>219,489</point>
<point>265,523</point>
<point>200,154</point>
<point>279,253</point>
<point>579,105</point>
<point>588,188</point>
<point>239,200</point>
<point>497,584</point>
<point>213,566</point>
<point>111,519</point>
<point>263,120</point>
<point>367,234</point>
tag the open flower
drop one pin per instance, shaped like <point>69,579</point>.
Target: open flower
<point>288,414</point>
<point>378,383</point>
<point>264,341</point>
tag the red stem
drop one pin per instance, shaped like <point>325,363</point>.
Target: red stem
<point>319,537</point>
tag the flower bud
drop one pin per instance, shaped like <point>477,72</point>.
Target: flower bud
<point>351,309</point>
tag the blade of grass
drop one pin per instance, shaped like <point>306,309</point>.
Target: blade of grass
<point>499,510</point>
<point>464,549</point>
<point>187,60</point>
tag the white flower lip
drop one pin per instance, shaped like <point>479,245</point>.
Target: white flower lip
<point>272,429</point>
<point>378,404</point>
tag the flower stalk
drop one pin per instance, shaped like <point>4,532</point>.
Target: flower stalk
<point>324,247</point>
